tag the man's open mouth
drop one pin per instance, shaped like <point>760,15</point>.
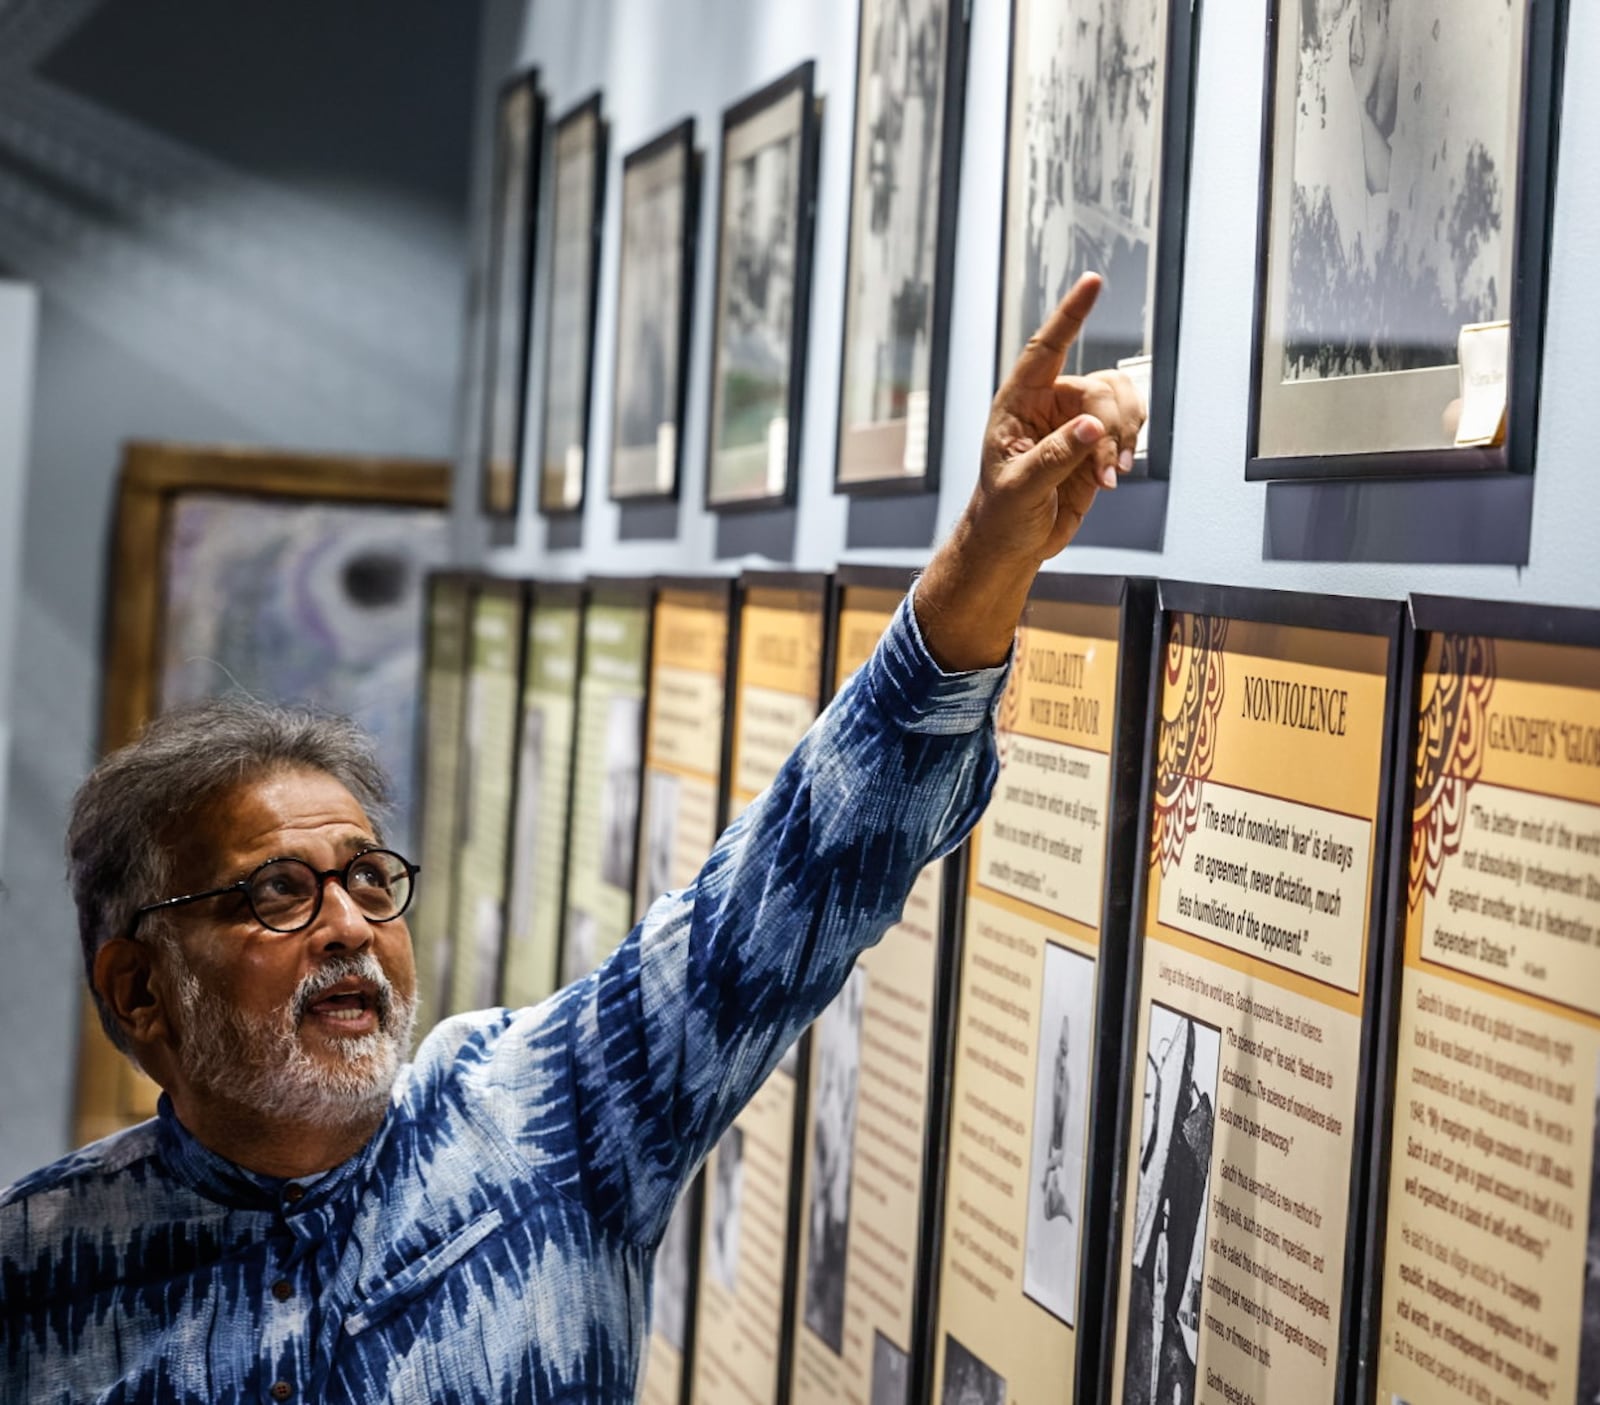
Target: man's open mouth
<point>352,1007</point>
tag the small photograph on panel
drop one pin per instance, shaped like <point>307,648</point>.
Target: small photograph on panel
<point>670,1286</point>
<point>891,1373</point>
<point>727,1191</point>
<point>1169,1223</point>
<point>1060,1102</point>
<point>661,833</point>
<point>619,794</point>
<point>968,1381</point>
<point>488,929</point>
<point>1589,1327</point>
<point>789,1064</point>
<point>581,954</point>
<point>530,771</point>
<point>833,1141</point>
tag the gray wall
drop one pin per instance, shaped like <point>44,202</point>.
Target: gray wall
<point>248,223</point>
<point>19,322</point>
<point>657,60</point>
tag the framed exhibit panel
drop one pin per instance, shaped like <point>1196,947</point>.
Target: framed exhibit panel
<point>685,759</point>
<point>746,1275</point>
<point>607,760</point>
<point>1484,1269</point>
<point>876,1066</point>
<point>447,656</point>
<point>577,219</point>
<point>294,577</point>
<point>546,729</point>
<point>655,292</point>
<point>1029,1177</point>
<point>513,221</point>
<point>1407,159</point>
<point>1252,997</point>
<point>910,82</point>
<point>1096,177</point>
<point>765,217</point>
<point>488,789</point>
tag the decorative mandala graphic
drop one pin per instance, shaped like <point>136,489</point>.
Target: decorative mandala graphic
<point>1188,741</point>
<point>1452,714</point>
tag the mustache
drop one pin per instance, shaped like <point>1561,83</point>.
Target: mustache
<point>362,967</point>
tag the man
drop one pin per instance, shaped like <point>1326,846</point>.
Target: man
<point>308,1219</point>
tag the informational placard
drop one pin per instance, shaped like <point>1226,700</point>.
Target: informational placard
<point>1041,990</point>
<point>1490,1267</point>
<point>488,760</point>
<point>608,767</point>
<point>1245,1124</point>
<point>546,727</point>
<point>681,811</point>
<point>746,1266</point>
<point>444,678</point>
<point>863,1165</point>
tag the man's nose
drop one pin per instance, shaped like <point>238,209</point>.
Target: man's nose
<point>341,924</point>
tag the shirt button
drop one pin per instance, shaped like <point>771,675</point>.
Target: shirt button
<point>294,1194</point>
<point>282,1290</point>
<point>281,1391</point>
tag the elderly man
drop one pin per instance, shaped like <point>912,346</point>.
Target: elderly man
<point>310,1218</point>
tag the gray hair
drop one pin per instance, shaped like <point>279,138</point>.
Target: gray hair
<point>127,814</point>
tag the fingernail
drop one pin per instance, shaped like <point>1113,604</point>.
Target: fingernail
<point>1125,458</point>
<point>1088,430</point>
<point>1108,477</point>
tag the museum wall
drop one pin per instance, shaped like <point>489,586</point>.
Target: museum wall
<point>246,225</point>
<point>19,322</point>
<point>658,60</point>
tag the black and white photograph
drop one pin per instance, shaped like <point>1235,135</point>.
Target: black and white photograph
<point>898,192</point>
<point>967,1380</point>
<point>1176,1125</point>
<point>763,242</point>
<point>579,177</point>
<point>1589,1324</point>
<point>836,1070</point>
<point>619,791</point>
<point>1396,132</point>
<point>519,136</point>
<point>580,952</point>
<point>670,1283</point>
<point>653,299</point>
<point>891,1373</point>
<point>525,825</point>
<point>660,835</point>
<point>1083,171</point>
<point>1056,1162</point>
<point>727,1194</point>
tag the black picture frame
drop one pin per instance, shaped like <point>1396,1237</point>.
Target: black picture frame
<point>1159,307</point>
<point>1133,597</point>
<point>577,223</point>
<point>1427,615</point>
<point>878,442</point>
<point>1383,619</point>
<point>508,302</point>
<point>784,111</point>
<point>1537,65</point>
<point>668,164</point>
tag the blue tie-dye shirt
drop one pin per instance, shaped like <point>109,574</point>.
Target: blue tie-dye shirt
<point>494,1240</point>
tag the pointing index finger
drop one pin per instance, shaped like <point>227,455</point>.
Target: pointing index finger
<point>1046,351</point>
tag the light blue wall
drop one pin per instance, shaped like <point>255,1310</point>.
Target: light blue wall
<point>657,60</point>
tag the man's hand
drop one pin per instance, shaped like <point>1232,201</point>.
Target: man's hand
<point>1052,442</point>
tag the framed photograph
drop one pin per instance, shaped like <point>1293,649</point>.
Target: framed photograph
<point>911,73</point>
<point>295,577</point>
<point>764,228</point>
<point>1407,153</point>
<point>519,139</point>
<point>1096,176</point>
<point>660,207</point>
<point>577,220</point>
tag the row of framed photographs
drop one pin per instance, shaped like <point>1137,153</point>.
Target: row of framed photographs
<point>1261,998</point>
<point>1403,236</point>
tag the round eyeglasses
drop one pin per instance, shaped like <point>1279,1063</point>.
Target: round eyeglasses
<point>285,895</point>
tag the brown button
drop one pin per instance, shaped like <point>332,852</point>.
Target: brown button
<point>282,1290</point>
<point>294,1194</point>
<point>281,1391</point>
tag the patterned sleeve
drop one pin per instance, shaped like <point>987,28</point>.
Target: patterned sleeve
<point>639,1068</point>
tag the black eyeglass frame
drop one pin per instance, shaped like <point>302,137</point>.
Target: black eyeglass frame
<point>321,875</point>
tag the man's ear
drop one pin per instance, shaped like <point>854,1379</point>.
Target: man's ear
<point>123,971</point>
